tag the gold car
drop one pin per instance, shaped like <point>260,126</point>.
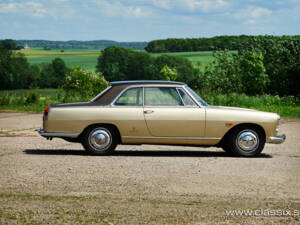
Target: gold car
<point>159,112</point>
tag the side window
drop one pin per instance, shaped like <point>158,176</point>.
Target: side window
<point>133,96</point>
<point>188,101</point>
<point>162,96</point>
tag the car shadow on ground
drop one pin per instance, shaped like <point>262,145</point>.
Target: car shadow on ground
<point>145,153</point>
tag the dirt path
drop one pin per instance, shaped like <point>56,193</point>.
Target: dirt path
<point>56,182</point>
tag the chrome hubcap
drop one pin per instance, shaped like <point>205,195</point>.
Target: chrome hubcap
<point>100,139</point>
<point>247,140</point>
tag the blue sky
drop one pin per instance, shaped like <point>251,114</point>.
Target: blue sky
<point>145,20</point>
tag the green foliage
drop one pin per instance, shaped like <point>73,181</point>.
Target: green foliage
<point>112,63</point>
<point>241,72</point>
<point>221,75</point>
<point>8,44</point>
<point>15,71</point>
<point>53,74</point>
<point>125,64</point>
<point>282,63</point>
<point>84,83</point>
<point>252,71</point>
<point>205,44</point>
<point>168,73</point>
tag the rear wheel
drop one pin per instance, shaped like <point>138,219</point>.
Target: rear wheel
<point>245,141</point>
<point>99,140</point>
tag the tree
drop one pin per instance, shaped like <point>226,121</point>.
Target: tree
<point>252,71</point>
<point>59,71</point>
<point>5,69</point>
<point>8,44</point>
<point>113,62</point>
<point>15,71</point>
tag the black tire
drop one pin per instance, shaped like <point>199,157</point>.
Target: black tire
<point>226,148</point>
<point>245,141</point>
<point>99,140</point>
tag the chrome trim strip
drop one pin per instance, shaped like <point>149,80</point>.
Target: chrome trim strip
<point>57,134</point>
<point>177,138</point>
<point>277,139</point>
<point>146,82</point>
<point>195,100</point>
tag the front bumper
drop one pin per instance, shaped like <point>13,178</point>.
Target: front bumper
<point>57,134</point>
<point>277,139</point>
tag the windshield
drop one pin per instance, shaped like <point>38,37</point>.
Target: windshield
<point>196,96</point>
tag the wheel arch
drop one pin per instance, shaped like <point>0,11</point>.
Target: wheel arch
<point>107,125</point>
<point>248,125</point>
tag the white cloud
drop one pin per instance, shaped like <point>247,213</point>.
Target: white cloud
<point>203,5</point>
<point>190,5</point>
<point>164,4</point>
<point>117,9</point>
<point>34,9</point>
<point>252,14</point>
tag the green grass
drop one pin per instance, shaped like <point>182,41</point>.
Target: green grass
<point>87,62</point>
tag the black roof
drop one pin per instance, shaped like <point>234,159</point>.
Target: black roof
<point>146,82</point>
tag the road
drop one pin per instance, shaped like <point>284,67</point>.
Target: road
<point>55,182</point>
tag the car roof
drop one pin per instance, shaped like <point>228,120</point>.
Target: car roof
<point>145,82</point>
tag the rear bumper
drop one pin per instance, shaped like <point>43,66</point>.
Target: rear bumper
<point>57,134</point>
<point>277,139</point>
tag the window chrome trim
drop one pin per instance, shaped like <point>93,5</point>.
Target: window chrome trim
<point>176,138</point>
<point>139,86</point>
<point>195,100</point>
<point>180,97</point>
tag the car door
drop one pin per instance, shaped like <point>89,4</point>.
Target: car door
<point>128,109</point>
<point>170,112</point>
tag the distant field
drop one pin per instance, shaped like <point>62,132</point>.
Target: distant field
<point>87,58</point>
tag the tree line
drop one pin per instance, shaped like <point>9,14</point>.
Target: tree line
<point>206,44</point>
<point>97,44</point>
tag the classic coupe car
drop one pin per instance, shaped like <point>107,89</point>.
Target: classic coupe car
<point>159,112</point>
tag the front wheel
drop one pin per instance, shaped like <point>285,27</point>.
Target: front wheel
<point>245,141</point>
<point>99,140</point>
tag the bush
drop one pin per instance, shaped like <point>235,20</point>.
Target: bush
<point>84,83</point>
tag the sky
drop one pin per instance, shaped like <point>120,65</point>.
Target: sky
<point>145,20</point>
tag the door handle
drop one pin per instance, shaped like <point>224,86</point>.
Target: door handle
<point>148,111</point>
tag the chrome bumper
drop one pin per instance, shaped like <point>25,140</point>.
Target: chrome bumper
<point>57,134</point>
<point>277,139</point>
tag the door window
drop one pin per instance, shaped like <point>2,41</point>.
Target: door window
<point>162,96</point>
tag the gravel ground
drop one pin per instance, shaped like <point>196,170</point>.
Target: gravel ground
<point>56,182</point>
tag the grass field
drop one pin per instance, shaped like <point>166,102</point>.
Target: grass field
<point>87,58</point>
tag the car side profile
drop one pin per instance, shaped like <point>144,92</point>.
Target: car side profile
<point>159,112</point>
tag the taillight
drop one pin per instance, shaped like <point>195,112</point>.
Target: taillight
<point>46,110</point>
